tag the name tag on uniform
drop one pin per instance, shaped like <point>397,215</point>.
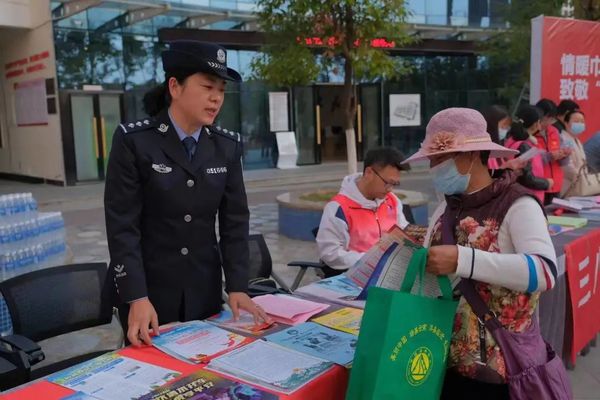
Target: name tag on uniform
<point>218,170</point>
<point>161,168</point>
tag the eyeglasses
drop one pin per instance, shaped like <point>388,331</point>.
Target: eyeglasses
<point>388,185</point>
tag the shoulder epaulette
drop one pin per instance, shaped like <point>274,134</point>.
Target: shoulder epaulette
<point>225,133</point>
<point>129,127</point>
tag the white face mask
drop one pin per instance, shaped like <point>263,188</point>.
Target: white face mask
<point>502,132</point>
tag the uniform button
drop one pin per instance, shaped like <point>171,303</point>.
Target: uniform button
<point>187,218</point>
<point>190,183</point>
<point>184,251</point>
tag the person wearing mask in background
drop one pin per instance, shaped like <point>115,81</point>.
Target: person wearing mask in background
<point>502,243</point>
<point>364,209</point>
<point>498,124</point>
<point>574,126</point>
<point>592,152</point>
<point>563,108</point>
<point>522,137</point>
<point>555,152</point>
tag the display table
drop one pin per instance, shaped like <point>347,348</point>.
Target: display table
<point>577,251</point>
<point>331,385</point>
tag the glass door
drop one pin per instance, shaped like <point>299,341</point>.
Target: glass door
<point>307,125</point>
<point>109,118</point>
<point>368,116</point>
<point>85,134</point>
<point>94,117</point>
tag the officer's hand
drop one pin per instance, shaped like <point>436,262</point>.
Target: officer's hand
<point>240,300</point>
<point>141,316</point>
<point>442,260</point>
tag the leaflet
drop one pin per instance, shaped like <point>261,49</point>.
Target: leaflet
<point>338,289</point>
<point>245,323</point>
<point>197,341</point>
<point>79,396</point>
<point>271,366</point>
<point>346,320</point>
<point>205,385</point>
<point>113,377</point>
<point>319,341</point>
<point>385,265</point>
<point>289,310</point>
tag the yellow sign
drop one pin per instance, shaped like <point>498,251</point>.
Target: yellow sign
<point>419,366</point>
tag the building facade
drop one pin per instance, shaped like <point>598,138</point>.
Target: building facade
<point>102,56</point>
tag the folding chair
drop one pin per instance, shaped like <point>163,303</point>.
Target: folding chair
<point>54,301</point>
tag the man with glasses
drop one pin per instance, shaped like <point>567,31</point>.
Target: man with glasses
<point>364,209</point>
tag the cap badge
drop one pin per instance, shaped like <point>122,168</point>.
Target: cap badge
<point>221,56</point>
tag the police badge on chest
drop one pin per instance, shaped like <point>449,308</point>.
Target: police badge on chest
<point>217,170</point>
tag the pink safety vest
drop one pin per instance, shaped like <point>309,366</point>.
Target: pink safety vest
<point>537,165</point>
<point>365,226</point>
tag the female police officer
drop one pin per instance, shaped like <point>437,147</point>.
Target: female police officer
<point>168,177</point>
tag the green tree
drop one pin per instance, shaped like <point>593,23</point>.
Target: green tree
<point>510,50</point>
<point>587,9</point>
<point>343,30</point>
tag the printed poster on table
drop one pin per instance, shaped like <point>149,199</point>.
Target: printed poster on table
<point>197,341</point>
<point>346,320</point>
<point>205,385</point>
<point>271,366</point>
<point>319,341</point>
<point>113,377</point>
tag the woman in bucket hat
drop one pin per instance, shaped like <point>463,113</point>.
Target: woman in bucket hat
<point>502,244</point>
<point>168,178</point>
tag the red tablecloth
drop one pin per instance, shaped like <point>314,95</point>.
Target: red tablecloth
<point>583,265</point>
<point>329,386</point>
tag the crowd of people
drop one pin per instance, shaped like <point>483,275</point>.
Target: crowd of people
<point>554,130</point>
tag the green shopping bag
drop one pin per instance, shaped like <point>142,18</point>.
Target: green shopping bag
<point>404,340</point>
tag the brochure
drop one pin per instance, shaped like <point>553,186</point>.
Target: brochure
<point>197,341</point>
<point>245,323</point>
<point>79,396</point>
<point>289,310</point>
<point>205,385</point>
<point>345,320</point>
<point>319,341</point>
<point>385,264</point>
<point>271,366</point>
<point>338,289</point>
<point>113,377</point>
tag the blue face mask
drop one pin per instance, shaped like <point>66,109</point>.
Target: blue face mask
<point>447,179</point>
<point>502,132</point>
<point>577,128</point>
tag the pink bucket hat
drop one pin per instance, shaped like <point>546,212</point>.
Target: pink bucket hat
<point>455,130</point>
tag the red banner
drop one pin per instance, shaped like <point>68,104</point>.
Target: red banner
<point>582,274</point>
<point>565,64</point>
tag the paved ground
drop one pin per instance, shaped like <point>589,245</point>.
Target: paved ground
<point>86,235</point>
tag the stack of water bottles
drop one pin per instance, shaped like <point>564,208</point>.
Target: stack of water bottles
<point>28,241</point>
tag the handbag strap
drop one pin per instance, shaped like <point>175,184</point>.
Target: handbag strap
<point>416,266</point>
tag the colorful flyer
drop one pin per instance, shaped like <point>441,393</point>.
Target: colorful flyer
<point>113,377</point>
<point>319,341</point>
<point>205,385</point>
<point>346,320</point>
<point>245,323</point>
<point>270,366</point>
<point>197,341</point>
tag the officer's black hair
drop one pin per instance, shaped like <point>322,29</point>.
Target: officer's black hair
<point>382,157</point>
<point>525,117</point>
<point>569,114</point>
<point>159,98</point>
<point>565,106</point>
<point>547,107</point>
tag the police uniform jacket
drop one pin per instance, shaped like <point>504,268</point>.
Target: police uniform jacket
<point>160,218</point>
